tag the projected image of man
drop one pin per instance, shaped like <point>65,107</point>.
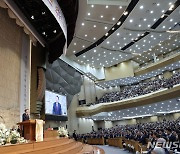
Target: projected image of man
<point>57,107</point>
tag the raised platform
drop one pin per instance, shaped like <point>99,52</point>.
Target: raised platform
<point>51,146</point>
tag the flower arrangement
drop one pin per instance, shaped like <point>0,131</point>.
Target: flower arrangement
<point>10,136</point>
<point>62,132</point>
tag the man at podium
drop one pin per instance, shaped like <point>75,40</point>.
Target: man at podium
<point>25,115</point>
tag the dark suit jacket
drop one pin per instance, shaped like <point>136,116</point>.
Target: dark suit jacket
<point>25,117</point>
<point>57,109</point>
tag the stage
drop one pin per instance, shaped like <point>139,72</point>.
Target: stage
<point>53,146</point>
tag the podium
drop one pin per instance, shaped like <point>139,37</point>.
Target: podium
<point>33,129</point>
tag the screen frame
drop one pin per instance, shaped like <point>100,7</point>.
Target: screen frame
<point>54,117</point>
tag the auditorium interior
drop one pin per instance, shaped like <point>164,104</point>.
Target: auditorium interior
<point>89,76</point>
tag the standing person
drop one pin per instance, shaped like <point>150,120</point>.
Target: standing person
<point>25,115</point>
<point>75,135</point>
<point>57,107</point>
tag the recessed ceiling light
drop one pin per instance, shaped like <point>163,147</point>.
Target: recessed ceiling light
<point>94,38</point>
<point>83,46</point>
<point>144,19</point>
<point>82,24</point>
<point>157,4</point>
<point>113,18</point>
<point>141,7</point>
<point>101,16</point>
<point>32,17</point>
<point>74,51</point>
<point>108,42</point>
<point>120,7</point>
<point>92,5</point>
<point>125,13</point>
<point>74,43</point>
<point>151,11</point>
<point>105,27</point>
<point>171,8</point>
<point>107,6</point>
<point>130,20</point>
<point>89,14</point>
<point>85,35</point>
<point>139,25</point>
<point>119,23</point>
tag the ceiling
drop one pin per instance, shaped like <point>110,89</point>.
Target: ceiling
<point>165,107</point>
<point>110,34</point>
<point>46,25</point>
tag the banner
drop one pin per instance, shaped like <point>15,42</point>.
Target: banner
<point>55,9</point>
<point>39,130</point>
<point>25,74</point>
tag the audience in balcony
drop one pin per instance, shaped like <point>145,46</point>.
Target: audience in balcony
<point>140,89</point>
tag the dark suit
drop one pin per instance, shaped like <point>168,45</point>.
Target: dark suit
<point>57,109</point>
<point>25,117</point>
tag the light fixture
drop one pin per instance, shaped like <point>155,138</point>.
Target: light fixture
<point>141,7</point>
<point>119,23</point>
<point>171,8</point>
<point>125,13</point>
<point>130,20</point>
<point>32,17</point>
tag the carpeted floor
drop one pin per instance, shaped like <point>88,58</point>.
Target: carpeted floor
<point>112,150</point>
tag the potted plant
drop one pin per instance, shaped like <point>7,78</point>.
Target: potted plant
<point>62,132</point>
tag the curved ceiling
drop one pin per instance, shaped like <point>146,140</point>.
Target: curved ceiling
<point>147,26</point>
<point>47,26</point>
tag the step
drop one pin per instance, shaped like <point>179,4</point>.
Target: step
<point>71,150</point>
<point>39,146</point>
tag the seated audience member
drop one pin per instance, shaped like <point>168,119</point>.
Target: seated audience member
<point>139,89</point>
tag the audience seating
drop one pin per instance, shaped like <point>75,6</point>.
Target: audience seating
<point>140,89</point>
<point>95,141</point>
<point>136,137</point>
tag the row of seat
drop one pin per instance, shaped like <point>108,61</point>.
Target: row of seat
<point>121,142</point>
<point>53,146</point>
<point>131,145</point>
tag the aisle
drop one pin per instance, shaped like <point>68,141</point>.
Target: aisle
<point>112,150</point>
